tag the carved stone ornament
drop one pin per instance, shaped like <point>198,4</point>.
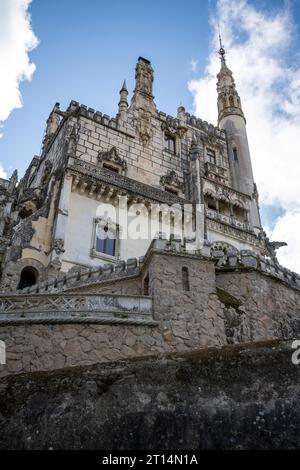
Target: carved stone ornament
<point>56,264</point>
<point>112,156</point>
<point>72,138</point>
<point>173,128</point>
<point>58,246</point>
<point>171,179</point>
<point>145,127</point>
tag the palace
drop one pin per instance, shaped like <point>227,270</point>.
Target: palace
<point>66,261</point>
<point>88,160</point>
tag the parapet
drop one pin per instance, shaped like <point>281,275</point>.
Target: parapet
<point>224,262</point>
<point>246,259</point>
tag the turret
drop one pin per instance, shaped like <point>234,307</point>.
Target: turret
<point>142,102</point>
<point>232,119</point>
<point>142,95</point>
<point>123,104</point>
<point>53,120</point>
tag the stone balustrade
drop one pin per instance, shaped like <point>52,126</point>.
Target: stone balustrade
<point>75,308</point>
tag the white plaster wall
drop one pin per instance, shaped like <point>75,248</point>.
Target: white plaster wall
<point>79,232</point>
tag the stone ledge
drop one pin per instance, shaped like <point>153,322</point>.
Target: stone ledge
<point>125,183</point>
<point>78,318</point>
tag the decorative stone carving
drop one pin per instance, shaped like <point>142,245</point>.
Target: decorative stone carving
<point>144,77</point>
<point>56,264</point>
<point>173,128</point>
<point>47,173</point>
<point>225,247</point>
<point>144,127</point>
<point>72,139</point>
<point>216,172</point>
<point>58,246</point>
<point>270,247</point>
<point>89,172</point>
<point>113,157</point>
<point>171,180</point>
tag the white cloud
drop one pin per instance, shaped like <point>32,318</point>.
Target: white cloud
<point>194,64</point>
<point>257,42</point>
<point>288,228</point>
<point>3,173</point>
<point>16,41</point>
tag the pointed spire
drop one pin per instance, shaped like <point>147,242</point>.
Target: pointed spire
<point>124,87</point>
<point>123,104</point>
<point>229,102</point>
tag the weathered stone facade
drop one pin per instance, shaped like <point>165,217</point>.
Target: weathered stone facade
<point>238,397</point>
<point>68,298</point>
<point>154,310</point>
<point>89,160</point>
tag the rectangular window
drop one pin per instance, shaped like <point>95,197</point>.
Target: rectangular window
<point>110,167</point>
<point>171,190</point>
<point>211,156</point>
<point>106,238</point>
<point>170,144</point>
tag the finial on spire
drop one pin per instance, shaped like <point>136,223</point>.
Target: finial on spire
<point>221,50</point>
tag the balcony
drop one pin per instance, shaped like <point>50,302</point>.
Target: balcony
<point>216,173</point>
<point>227,219</point>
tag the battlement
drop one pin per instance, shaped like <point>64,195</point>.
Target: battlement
<point>132,268</point>
<point>246,259</point>
<point>112,122</point>
<point>88,277</point>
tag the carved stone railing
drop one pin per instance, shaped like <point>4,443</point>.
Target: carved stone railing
<point>75,308</point>
<point>81,277</point>
<point>247,259</point>
<point>227,219</point>
<point>216,172</point>
<point>126,184</point>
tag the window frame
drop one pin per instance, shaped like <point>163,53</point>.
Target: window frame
<point>211,153</point>
<point>167,139</point>
<point>115,228</point>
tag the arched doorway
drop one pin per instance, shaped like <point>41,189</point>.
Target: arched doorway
<point>29,277</point>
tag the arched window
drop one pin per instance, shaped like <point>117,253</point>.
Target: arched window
<point>185,279</point>
<point>29,277</point>
<point>231,101</point>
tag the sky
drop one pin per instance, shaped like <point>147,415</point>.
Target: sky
<point>59,50</point>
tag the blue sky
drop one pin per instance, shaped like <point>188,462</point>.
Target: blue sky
<point>86,49</point>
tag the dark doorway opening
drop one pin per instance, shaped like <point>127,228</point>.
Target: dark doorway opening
<point>29,277</point>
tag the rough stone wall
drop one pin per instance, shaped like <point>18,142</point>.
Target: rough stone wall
<point>126,287</point>
<point>147,163</point>
<point>47,347</point>
<point>187,317</point>
<point>229,398</point>
<point>262,308</point>
<point>193,311</point>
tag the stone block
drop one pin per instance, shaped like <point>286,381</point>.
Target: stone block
<point>249,258</point>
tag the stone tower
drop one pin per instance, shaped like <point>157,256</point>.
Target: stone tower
<point>231,118</point>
